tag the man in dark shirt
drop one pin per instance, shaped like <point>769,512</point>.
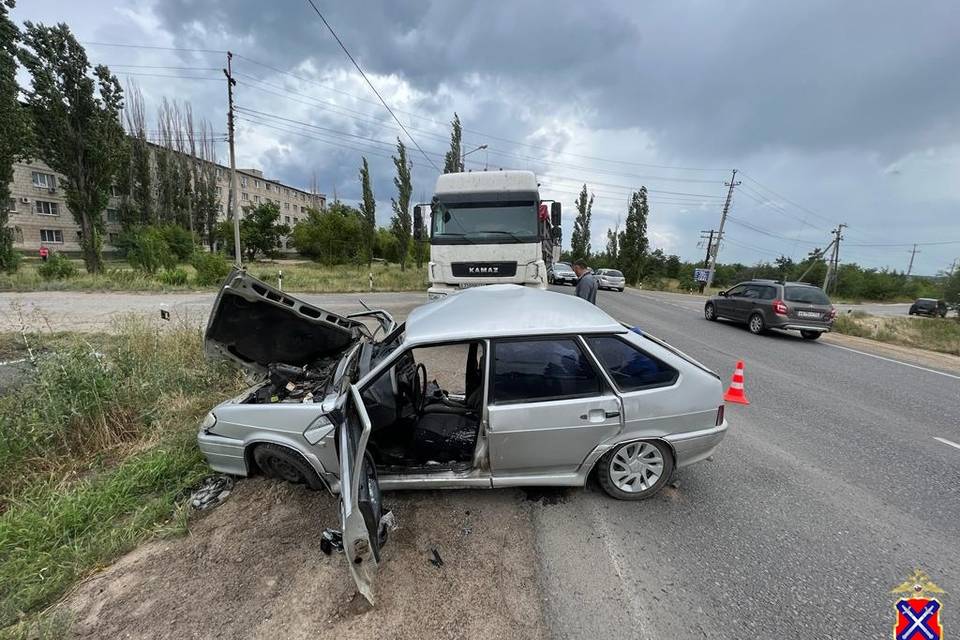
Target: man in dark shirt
<point>586,282</point>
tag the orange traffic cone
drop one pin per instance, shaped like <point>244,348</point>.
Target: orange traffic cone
<point>735,392</point>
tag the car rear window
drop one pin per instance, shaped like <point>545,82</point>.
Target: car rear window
<point>630,368</point>
<point>614,273</point>
<point>538,370</point>
<point>809,295</point>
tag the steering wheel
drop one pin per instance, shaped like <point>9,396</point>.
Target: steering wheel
<point>420,388</point>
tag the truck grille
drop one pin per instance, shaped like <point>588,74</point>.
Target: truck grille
<point>483,269</point>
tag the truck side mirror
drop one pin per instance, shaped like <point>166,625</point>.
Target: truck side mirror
<point>557,234</point>
<point>417,223</point>
<point>555,214</point>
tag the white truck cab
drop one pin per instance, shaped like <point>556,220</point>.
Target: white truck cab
<point>488,227</point>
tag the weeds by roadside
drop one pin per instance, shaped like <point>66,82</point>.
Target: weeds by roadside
<point>297,276</point>
<point>935,334</point>
<point>95,450</point>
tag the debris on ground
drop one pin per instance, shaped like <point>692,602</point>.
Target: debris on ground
<point>436,560</point>
<point>212,492</point>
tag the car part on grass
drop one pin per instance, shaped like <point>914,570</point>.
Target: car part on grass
<point>331,540</point>
<point>436,560</point>
<point>212,492</point>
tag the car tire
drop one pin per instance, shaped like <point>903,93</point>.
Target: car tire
<point>810,335</point>
<point>621,291</point>
<point>623,482</point>
<point>756,324</point>
<point>710,312</point>
<point>283,463</point>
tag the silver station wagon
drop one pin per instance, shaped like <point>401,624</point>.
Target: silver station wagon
<point>497,386</point>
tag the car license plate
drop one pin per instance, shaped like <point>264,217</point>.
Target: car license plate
<point>470,285</point>
<point>813,315</point>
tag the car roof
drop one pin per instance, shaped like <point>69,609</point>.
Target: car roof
<point>500,310</point>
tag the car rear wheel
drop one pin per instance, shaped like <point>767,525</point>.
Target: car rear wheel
<point>810,335</point>
<point>635,470</point>
<point>710,311</point>
<point>756,324</point>
<point>282,463</point>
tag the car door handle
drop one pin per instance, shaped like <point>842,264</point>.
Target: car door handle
<point>612,414</point>
<point>599,415</point>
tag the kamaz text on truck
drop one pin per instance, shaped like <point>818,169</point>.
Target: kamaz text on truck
<point>489,227</point>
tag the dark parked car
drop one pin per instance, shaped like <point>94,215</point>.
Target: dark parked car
<point>768,304</point>
<point>929,307</point>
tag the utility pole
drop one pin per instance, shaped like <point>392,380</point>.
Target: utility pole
<point>912,255</point>
<point>706,261</point>
<point>835,258</point>
<point>817,255</point>
<point>233,162</point>
<point>723,218</point>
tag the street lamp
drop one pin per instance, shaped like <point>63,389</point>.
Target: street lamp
<point>463,157</point>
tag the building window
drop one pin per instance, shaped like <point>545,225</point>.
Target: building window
<point>243,181</point>
<point>113,216</point>
<point>112,238</point>
<point>286,219</point>
<point>51,235</point>
<point>286,192</point>
<point>114,191</point>
<point>44,180</point>
<point>269,187</point>
<point>257,184</point>
<point>286,205</point>
<point>256,199</point>
<point>18,235</point>
<point>45,208</point>
<point>244,196</point>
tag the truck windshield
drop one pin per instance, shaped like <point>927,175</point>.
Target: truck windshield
<point>484,223</point>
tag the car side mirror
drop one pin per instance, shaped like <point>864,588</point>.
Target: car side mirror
<point>722,294</point>
<point>417,223</point>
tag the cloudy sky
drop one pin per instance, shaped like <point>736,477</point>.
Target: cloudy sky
<point>832,112</point>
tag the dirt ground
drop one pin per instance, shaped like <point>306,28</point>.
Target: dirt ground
<point>253,568</point>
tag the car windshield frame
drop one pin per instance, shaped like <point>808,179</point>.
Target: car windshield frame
<point>451,222</point>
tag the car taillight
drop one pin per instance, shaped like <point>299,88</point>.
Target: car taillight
<point>780,308</point>
<point>833,314</point>
<point>719,415</point>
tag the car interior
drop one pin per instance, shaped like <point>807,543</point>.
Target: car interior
<point>425,410</point>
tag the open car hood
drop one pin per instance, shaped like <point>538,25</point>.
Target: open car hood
<point>253,324</point>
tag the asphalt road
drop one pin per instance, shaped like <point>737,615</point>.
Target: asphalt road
<point>827,492</point>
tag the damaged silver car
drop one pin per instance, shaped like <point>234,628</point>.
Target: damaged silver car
<point>497,386</point>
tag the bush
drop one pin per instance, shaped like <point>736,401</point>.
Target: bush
<point>57,267</point>
<point>211,268</point>
<point>175,277</point>
<point>10,261</point>
<point>148,251</point>
<point>179,241</point>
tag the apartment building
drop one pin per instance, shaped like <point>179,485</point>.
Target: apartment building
<point>39,215</point>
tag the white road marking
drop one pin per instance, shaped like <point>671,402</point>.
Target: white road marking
<point>9,362</point>
<point>906,364</point>
<point>946,442</point>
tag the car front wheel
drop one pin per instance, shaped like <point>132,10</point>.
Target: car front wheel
<point>756,324</point>
<point>810,335</point>
<point>710,311</point>
<point>282,463</point>
<point>635,470</point>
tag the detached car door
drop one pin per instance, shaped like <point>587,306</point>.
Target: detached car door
<point>363,519</point>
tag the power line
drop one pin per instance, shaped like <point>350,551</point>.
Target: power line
<point>382,101</point>
<point>147,46</point>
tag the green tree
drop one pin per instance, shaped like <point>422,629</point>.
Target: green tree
<point>580,238</point>
<point>401,224</point>
<point>139,178</point>
<point>80,120</point>
<point>334,236</point>
<point>14,130</point>
<point>260,231</point>
<point>452,160</point>
<point>368,209</point>
<point>951,289</point>
<point>613,244</point>
<point>785,266</point>
<point>633,240</point>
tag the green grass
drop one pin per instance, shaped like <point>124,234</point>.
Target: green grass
<point>934,334</point>
<point>97,450</point>
<point>297,276</point>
